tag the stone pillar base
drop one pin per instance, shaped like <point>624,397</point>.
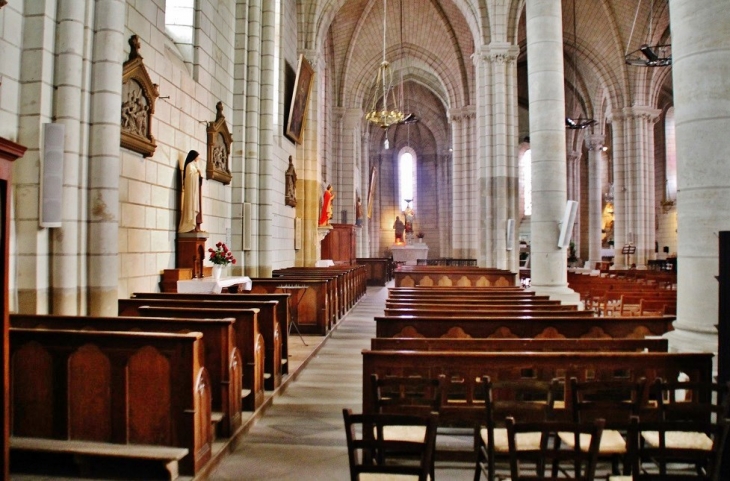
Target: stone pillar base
<point>563,294</point>
<point>681,340</point>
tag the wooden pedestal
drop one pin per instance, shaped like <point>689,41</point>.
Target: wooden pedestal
<point>190,252</point>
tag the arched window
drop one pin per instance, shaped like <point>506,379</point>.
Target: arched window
<point>406,176</point>
<point>526,180</point>
<point>180,26</point>
<point>671,156</point>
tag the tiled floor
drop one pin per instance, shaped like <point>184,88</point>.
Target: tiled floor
<point>301,436</point>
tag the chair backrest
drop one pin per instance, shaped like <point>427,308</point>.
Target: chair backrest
<point>530,464</point>
<point>363,451</point>
<point>524,400</point>
<point>692,401</point>
<point>676,447</point>
<point>407,395</point>
<point>615,401</point>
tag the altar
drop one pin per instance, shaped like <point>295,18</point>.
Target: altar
<point>208,285</point>
<point>409,254</point>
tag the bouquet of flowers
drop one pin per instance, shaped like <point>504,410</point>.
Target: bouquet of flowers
<point>221,255</point>
<point>420,235</point>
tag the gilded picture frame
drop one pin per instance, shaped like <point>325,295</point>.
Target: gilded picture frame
<point>219,148</point>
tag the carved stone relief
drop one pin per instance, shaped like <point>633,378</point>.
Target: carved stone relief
<point>138,103</point>
<point>219,148</point>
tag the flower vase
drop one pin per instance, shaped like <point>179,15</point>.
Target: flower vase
<point>217,271</point>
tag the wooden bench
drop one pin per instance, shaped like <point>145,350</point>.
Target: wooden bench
<point>352,280</point>
<point>339,292</point>
<point>267,325</point>
<point>471,301</point>
<point>222,359</point>
<point>311,309</point>
<point>120,388</point>
<point>482,311</point>
<point>377,270</point>
<point>522,327</point>
<point>463,405</point>
<point>517,345</point>
<point>283,310</point>
<point>248,339</point>
<point>410,276</point>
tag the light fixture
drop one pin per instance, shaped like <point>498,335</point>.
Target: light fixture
<point>579,123</point>
<point>648,55</point>
<point>384,110</point>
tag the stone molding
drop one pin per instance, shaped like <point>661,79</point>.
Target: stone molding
<point>219,148</point>
<point>138,103</point>
<point>639,112</point>
<point>594,141</point>
<point>500,54</point>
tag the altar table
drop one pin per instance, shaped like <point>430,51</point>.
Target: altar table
<point>409,254</point>
<point>210,285</point>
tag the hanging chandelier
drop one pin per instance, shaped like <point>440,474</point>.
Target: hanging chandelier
<point>384,110</point>
<point>648,55</point>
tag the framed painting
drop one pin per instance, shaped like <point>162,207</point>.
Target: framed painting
<point>298,109</point>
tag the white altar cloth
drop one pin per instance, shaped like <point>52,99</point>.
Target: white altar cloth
<point>209,285</point>
<point>409,253</point>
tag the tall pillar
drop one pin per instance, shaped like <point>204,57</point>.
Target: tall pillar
<point>253,119</point>
<point>266,141</point>
<point>547,141</point>
<point>309,153</point>
<point>701,56</point>
<point>594,143</point>
<point>67,297</point>
<point>496,129</point>
<point>573,191</point>
<point>464,195</point>
<point>104,158</point>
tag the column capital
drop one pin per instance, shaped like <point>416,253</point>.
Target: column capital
<point>497,53</point>
<point>639,112</point>
<point>573,156</point>
<point>313,56</point>
<point>463,113</point>
<point>594,141</point>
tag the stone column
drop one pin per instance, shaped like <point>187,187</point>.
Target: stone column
<point>104,158</point>
<point>573,192</point>
<point>701,56</point>
<point>266,142</point>
<point>594,143</point>
<point>464,195</point>
<point>253,94</point>
<point>496,123</point>
<point>547,141</point>
<point>66,294</point>
<point>312,145</point>
<point>238,130</point>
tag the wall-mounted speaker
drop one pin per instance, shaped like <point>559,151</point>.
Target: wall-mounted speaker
<point>510,233</point>
<point>566,225</point>
<point>51,213</point>
<point>247,234</point>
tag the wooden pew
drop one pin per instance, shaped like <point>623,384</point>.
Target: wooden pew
<point>486,292</point>
<point>283,311</point>
<point>517,345</point>
<point>352,280</point>
<point>311,308</point>
<point>462,404</point>
<point>222,359</point>
<point>111,388</point>
<point>410,276</point>
<point>482,311</point>
<point>250,341</point>
<point>470,301</point>
<point>523,327</point>
<point>339,292</point>
<point>377,270</point>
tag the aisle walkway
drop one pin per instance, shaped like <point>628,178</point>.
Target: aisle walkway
<point>301,436</point>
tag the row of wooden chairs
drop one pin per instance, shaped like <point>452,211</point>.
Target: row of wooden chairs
<point>672,420</point>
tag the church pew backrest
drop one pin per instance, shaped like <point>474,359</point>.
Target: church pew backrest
<point>522,327</point>
<point>283,312</point>
<point>517,344</point>
<point>113,387</point>
<point>473,311</point>
<point>311,308</point>
<point>462,404</point>
<point>453,277</point>
<point>222,359</point>
<point>249,339</point>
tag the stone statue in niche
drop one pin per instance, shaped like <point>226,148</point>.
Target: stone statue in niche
<point>290,197</point>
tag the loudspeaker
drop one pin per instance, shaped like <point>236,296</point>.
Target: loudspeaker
<point>566,226</point>
<point>51,214</point>
<point>247,235</point>
<point>510,233</point>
